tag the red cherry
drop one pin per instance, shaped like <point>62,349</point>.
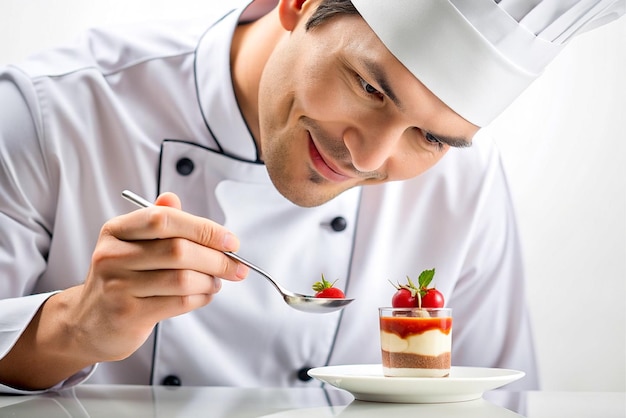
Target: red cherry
<point>403,299</point>
<point>432,299</point>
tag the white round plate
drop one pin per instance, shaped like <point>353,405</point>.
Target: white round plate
<point>366,382</point>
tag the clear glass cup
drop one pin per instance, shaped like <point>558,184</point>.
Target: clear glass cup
<point>416,342</point>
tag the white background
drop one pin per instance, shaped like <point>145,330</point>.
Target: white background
<point>564,146</point>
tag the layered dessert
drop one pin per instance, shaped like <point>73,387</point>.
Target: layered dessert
<point>416,342</point>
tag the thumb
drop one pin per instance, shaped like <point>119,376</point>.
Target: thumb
<point>168,199</point>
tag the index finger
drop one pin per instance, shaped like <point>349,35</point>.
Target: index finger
<point>161,222</point>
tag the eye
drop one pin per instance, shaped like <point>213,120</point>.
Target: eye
<point>433,140</point>
<point>369,89</point>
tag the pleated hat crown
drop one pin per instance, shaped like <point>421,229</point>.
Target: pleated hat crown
<point>477,56</point>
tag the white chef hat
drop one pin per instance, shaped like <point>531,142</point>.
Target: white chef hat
<point>477,56</point>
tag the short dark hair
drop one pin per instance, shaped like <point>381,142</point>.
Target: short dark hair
<point>328,9</point>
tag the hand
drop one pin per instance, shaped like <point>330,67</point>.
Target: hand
<point>148,265</point>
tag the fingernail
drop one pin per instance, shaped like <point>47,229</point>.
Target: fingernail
<point>242,271</point>
<point>217,284</point>
<point>230,242</point>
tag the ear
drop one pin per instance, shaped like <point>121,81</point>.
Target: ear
<point>290,12</point>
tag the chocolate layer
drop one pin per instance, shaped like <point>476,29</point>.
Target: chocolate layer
<point>416,361</point>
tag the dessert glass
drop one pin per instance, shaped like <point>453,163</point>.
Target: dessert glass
<point>416,342</point>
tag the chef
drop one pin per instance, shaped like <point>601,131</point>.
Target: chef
<point>309,143</point>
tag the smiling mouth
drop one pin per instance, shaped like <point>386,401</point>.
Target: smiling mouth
<point>324,167</point>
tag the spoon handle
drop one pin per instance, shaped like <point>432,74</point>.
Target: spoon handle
<point>136,199</point>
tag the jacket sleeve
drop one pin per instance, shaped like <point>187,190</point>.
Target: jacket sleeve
<point>15,314</point>
<point>26,217</point>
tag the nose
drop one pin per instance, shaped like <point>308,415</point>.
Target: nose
<point>370,147</point>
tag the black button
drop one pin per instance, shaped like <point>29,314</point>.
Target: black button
<point>171,380</point>
<point>184,166</point>
<point>302,374</point>
<point>338,224</point>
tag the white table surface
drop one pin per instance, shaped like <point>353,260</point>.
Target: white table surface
<point>219,402</point>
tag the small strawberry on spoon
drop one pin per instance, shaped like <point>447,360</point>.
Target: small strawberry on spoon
<point>326,289</point>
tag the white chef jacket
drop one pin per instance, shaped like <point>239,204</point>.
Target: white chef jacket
<point>151,109</point>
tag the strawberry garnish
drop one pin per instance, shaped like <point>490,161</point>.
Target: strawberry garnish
<point>326,289</point>
<point>410,295</point>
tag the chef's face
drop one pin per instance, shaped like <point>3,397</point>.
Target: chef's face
<point>338,110</point>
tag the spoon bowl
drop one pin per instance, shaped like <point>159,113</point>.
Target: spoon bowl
<point>297,301</point>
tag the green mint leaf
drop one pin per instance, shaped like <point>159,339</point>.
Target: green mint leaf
<point>425,278</point>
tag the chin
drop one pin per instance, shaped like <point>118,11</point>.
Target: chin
<point>307,198</point>
<point>306,195</point>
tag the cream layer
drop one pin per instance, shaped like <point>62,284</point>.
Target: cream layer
<point>429,343</point>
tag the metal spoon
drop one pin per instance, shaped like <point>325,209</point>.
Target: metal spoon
<point>295,300</point>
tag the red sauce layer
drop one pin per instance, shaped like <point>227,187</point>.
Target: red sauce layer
<point>405,326</point>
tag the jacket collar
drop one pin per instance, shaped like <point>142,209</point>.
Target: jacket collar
<point>214,83</point>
